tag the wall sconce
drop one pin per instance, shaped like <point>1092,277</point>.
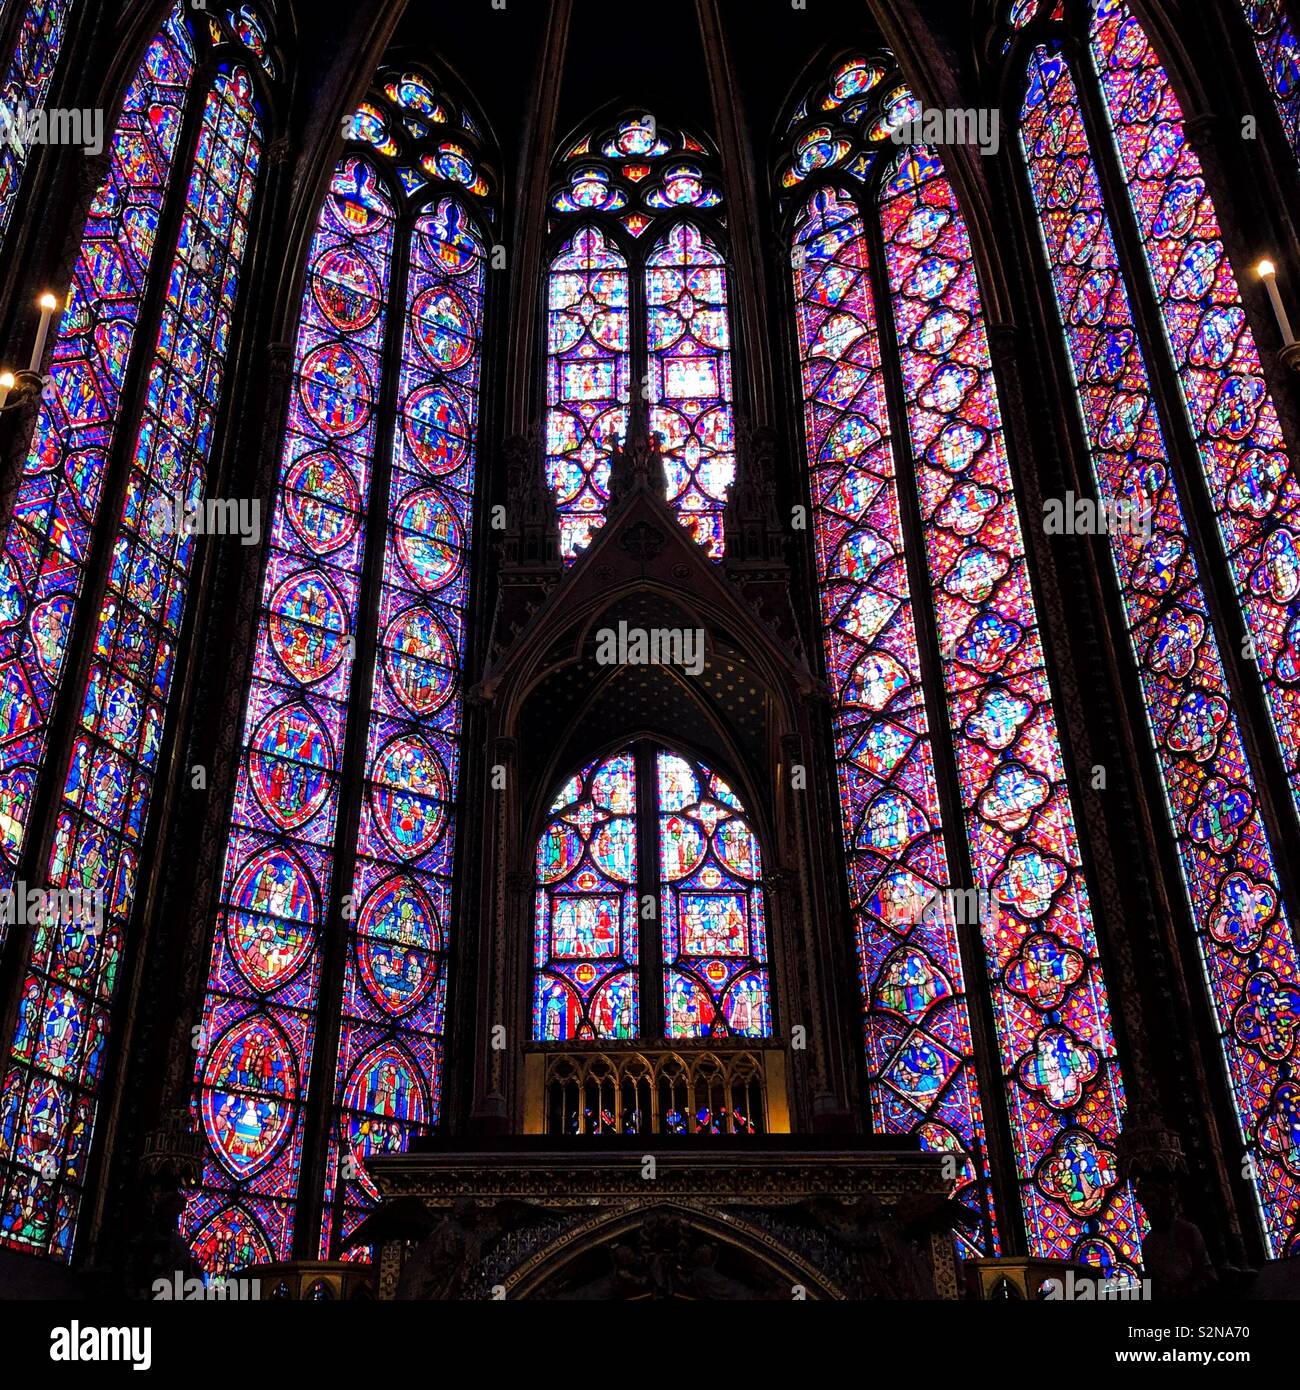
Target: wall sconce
<point>1267,272</point>
<point>18,389</point>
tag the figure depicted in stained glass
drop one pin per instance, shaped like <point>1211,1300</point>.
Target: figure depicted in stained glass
<point>690,378</point>
<point>1278,46</point>
<point>715,943</point>
<point>586,951</point>
<point>709,874</point>
<point>896,850</point>
<point>1253,479</point>
<point>26,85</point>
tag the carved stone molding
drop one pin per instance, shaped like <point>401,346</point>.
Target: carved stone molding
<point>840,1221</point>
<point>642,541</point>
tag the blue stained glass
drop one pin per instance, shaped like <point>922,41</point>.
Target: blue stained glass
<point>51,1088</point>
<point>690,379</point>
<point>707,877</point>
<point>42,565</point>
<point>278,876</point>
<point>1278,47</point>
<point>634,180</point>
<point>389,1068</point>
<point>293,860</point>
<point>1228,862</point>
<point>26,86</point>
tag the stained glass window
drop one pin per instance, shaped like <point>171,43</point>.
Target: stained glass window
<point>1278,47</point>
<point>672,341</point>
<point>586,946</point>
<point>594,960</point>
<point>1254,483</point>
<point>690,378</point>
<point>389,1067</point>
<point>26,86</point>
<point>259,1023</point>
<point>714,929</point>
<point>316,843</point>
<point>1242,930</point>
<point>589,373</point>
<point>73,966</point>
<point>251,30</point>
<point>57,502</point>
<point>1033,941</point>
<point>912,977</point>
<point>1057,1046</point>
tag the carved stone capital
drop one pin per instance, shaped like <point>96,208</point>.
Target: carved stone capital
<point>1004,341</point>
<point>279,363</point>
<point>782,882</point>
<point>1149,1147</point>
<point>1203,130</point>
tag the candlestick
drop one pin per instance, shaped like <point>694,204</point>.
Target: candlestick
<point>1268,274</point>
<point>48,305</point>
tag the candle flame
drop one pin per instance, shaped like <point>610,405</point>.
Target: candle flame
<point>1266,270</point>
<point>6,381</point>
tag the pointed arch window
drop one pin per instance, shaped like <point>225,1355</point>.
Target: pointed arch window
<point>1110,107</point>
<point>637,300</point>
<point>649,825</point>
<point>939,680</point>
<point>343,824</point>
<point>27,80</point>
<point>102,785</point>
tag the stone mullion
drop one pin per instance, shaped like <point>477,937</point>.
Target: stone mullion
<point>525,335</point>
<point>736,146</point>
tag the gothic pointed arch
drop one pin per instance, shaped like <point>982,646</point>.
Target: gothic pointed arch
<point>613,1257</point>
<point>637,302</point>
<point>345,808</point>
<point>672,942</point>
<point>938,674</point>
<point>631,716</point>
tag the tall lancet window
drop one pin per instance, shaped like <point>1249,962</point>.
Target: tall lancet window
<point>1278,47</point>
<point>32,63</point>
<point>95,574</point>
<point>1109,106</point>
<point>337,876</point>
<point>637,301</point>
<point>649,824</point>
<point>938,679</point>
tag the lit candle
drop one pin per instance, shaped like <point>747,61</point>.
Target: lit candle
<point>1267,272</point>
<point>6,385</point>
<point>48,305</point>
